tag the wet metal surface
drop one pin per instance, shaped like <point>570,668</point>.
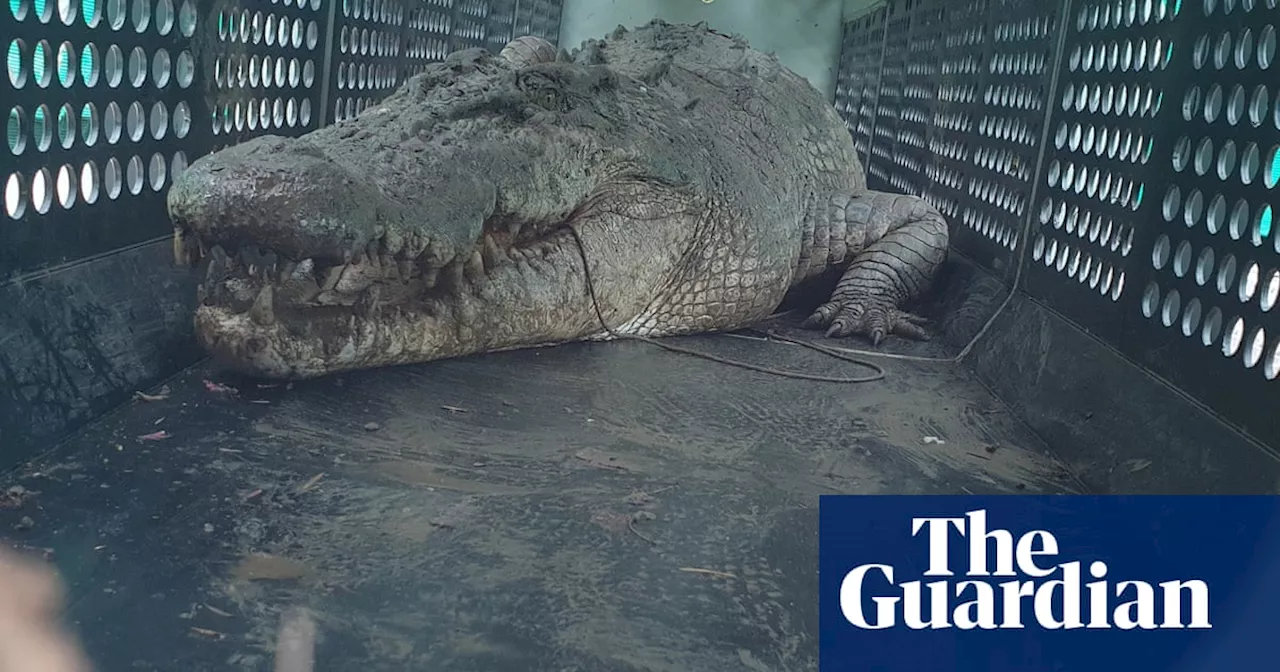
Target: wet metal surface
<point>588,507</point>
<point>76,341</point>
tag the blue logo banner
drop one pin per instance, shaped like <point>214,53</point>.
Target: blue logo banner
<point>1049,584</point>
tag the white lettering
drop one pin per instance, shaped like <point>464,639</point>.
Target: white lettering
<point>1027,552</point>
<point>1145,608</point>
<point>938,560</point>
<point>912,604</point>
<point>1070,585</point>
<point>972,604</point>
<point>1098,596</point>
<point>1173,604</point>
<point>1014,591</point>
<point>851,599</point>
<point>978,537</point>
<point>980,612</point>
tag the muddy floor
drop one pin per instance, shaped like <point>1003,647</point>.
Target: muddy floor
<point>592,507</point>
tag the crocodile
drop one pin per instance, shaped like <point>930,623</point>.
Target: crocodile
<point>659,181</point>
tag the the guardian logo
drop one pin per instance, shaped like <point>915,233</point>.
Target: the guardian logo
<point>1011,580</point>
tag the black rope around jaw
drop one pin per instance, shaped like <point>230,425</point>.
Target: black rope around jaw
<point>591,290</point>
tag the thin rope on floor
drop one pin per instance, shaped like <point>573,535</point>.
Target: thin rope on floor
<point>844,354</point>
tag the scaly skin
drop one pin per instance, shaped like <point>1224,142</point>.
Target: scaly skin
<point>702,179</point>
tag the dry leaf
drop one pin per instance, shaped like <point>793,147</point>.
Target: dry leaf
<point>267,567</point>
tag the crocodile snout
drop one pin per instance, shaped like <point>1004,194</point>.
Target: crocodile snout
<point>269,193</point>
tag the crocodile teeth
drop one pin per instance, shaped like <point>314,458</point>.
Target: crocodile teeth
<point>475,267</point>
<point>367,305</point>
<point>332,277</point>
<point>179,248</point>
<point>263,309</point>
<point>269,264</point>
<point>329,299</point>
<point>187,251</point>
<point>405,267</point>
<point>454,274</point>
<point>305,269</point>
<point>430,277</point>
<point>493,255</point>
<point>219,264</point>
<point>287,269</point>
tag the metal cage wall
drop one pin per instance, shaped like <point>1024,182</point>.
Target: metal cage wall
<point>108,100</point>
<point>1124,153</point>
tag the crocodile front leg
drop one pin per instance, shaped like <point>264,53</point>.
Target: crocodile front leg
<point>904,241</point>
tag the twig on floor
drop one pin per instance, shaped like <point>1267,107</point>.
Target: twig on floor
<point>708,572</point>
<point>642,498</point>
<point>211,634</point>
<point>219,388</point>
<point>311,483</point>
<point>631,525</point>
<point>161,396</point>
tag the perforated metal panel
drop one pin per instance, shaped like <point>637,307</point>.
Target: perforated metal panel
<point>107,100</point>
<point>263,60</point>
<point>882,167</point>
<point>1107,120</point>
<point>367,54</point>
<point>1204,270</point>
<point>995,101</point>
<point>916,65</point>
<point>540,18</point>
<point>500,24</point>
<point>427,38</point>
<point>858,80</point>
<point>1137,141</point>
<point>470,23</point>
<point>101,100</point>
<point>965,94</point>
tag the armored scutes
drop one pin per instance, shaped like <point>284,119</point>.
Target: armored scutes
<point>667,180</point>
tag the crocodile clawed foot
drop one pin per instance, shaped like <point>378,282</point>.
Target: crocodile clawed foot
<point>871,319</point>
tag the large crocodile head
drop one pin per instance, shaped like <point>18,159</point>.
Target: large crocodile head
<point>451,218</point>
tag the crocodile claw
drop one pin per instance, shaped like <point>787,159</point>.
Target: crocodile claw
<point>873,320</point>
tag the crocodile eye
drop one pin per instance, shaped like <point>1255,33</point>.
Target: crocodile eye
<point>542,91</point>
<point>548,98</point>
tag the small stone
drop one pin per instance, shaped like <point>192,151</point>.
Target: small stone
<point>25,524</point>
<point>372,426</point>
<point>208,528</point>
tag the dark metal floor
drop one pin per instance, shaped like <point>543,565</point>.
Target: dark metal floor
<point>589,507</point>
